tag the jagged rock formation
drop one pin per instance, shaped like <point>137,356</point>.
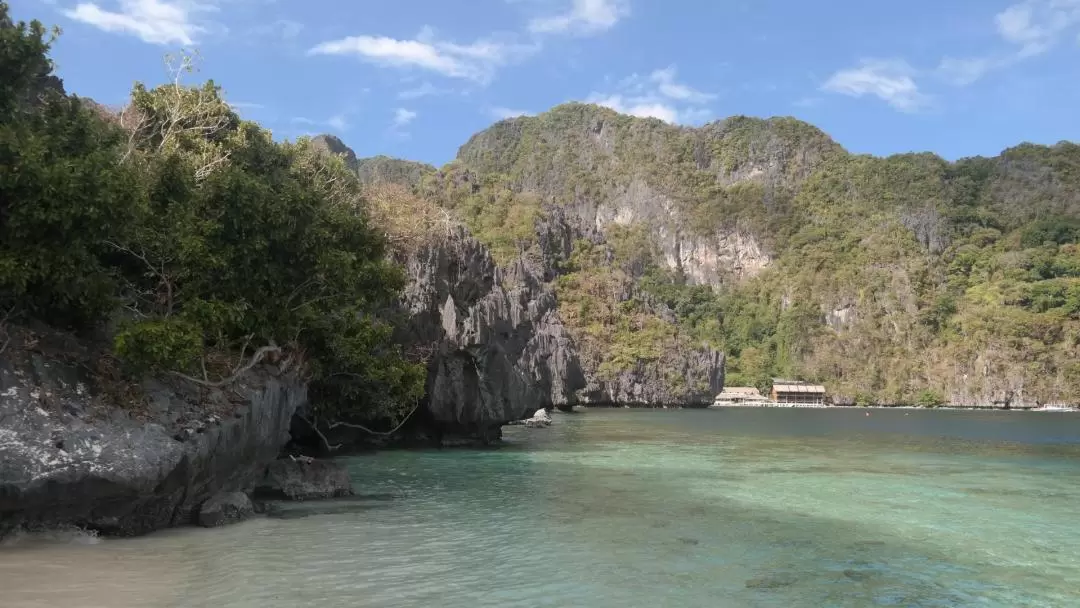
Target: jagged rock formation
<point>71,452</point>
<point>689,373</point>
<point>499,350</point>
<point>499,323</point>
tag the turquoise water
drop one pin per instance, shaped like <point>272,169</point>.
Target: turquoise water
<point>739,507</point>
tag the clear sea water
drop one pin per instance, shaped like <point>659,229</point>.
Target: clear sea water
<point>632,508</point>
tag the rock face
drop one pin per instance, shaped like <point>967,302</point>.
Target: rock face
<point>693,379</point>
<point>68,455</point>
<point>224,509</point>
<point>500,349</point>
<point>304,479</point>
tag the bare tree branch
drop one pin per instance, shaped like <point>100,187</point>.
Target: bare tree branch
<point>177,110</point>
<point>257,358</point>
<point>157,270</point>
<point>243,351</point>
<point>381,434</point>
<point>315,427</point>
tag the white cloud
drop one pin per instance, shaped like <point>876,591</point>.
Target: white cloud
<point>640,107</point>
<point>1037,25</point>
<point>403,117</point>
<point>477,61</point>
<point>658,96</point>
<point>962,72</point>
<point>337,122</point>
<point>583,17</point>
<point>152,21</point>
<point>1032,28</point>
<point>891,80</point>
<point>666,85</point>
<point>500,113</point>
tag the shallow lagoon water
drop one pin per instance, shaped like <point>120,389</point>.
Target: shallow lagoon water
<point>626,508</point>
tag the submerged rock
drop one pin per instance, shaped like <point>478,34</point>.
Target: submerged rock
<point>304,479</point>
<point>336,506</point>
<point>225,508</point>
<point>539,420</point>
<point>775,580</point>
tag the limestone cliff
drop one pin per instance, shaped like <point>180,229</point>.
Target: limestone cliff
<point>501,350</point>
<point>495,344</point>
<point>890,280</point>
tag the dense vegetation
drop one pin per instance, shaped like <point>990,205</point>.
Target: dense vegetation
<point>192,236</point>
<point>195,240</point>
<point>904,279</point>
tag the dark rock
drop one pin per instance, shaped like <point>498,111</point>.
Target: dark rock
<point>124,472</point>
<point>337,506</point>
<point>857,575</point>
<point>304,479</point>
<point>225,508</point>
<point>499,349</point>
<point>771,581</point>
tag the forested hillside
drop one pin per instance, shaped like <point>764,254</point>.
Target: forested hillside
<point>182,241</point>
<point>905,279</point>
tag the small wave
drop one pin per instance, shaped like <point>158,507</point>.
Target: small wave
<point>58,535</point>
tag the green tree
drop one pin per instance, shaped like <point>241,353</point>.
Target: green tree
<point>62,192</point>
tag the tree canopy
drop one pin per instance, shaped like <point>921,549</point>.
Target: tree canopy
<point>193,234</point>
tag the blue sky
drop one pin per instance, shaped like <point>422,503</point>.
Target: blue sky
<point>415,78</point>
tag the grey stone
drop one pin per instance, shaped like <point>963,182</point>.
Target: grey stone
<point>71,456</point>
<point>499,350</point>
<point>225,508</point>
<point>540,419</point>
<point>304,479</point>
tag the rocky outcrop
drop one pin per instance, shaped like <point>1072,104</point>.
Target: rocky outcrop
<point>69,454</point>
<point>500,350</point>
<point>693,378</point>
<point>304,479</point>
<point>224,509</point>
<point>539,420</point>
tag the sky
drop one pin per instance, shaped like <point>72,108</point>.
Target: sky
<point>415,78</point>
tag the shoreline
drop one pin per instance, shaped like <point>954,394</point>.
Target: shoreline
<point>968,408</point>
<point>899,407</point>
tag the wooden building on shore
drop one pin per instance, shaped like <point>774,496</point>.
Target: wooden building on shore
<point>740,395</point>
<point>797,392</point>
